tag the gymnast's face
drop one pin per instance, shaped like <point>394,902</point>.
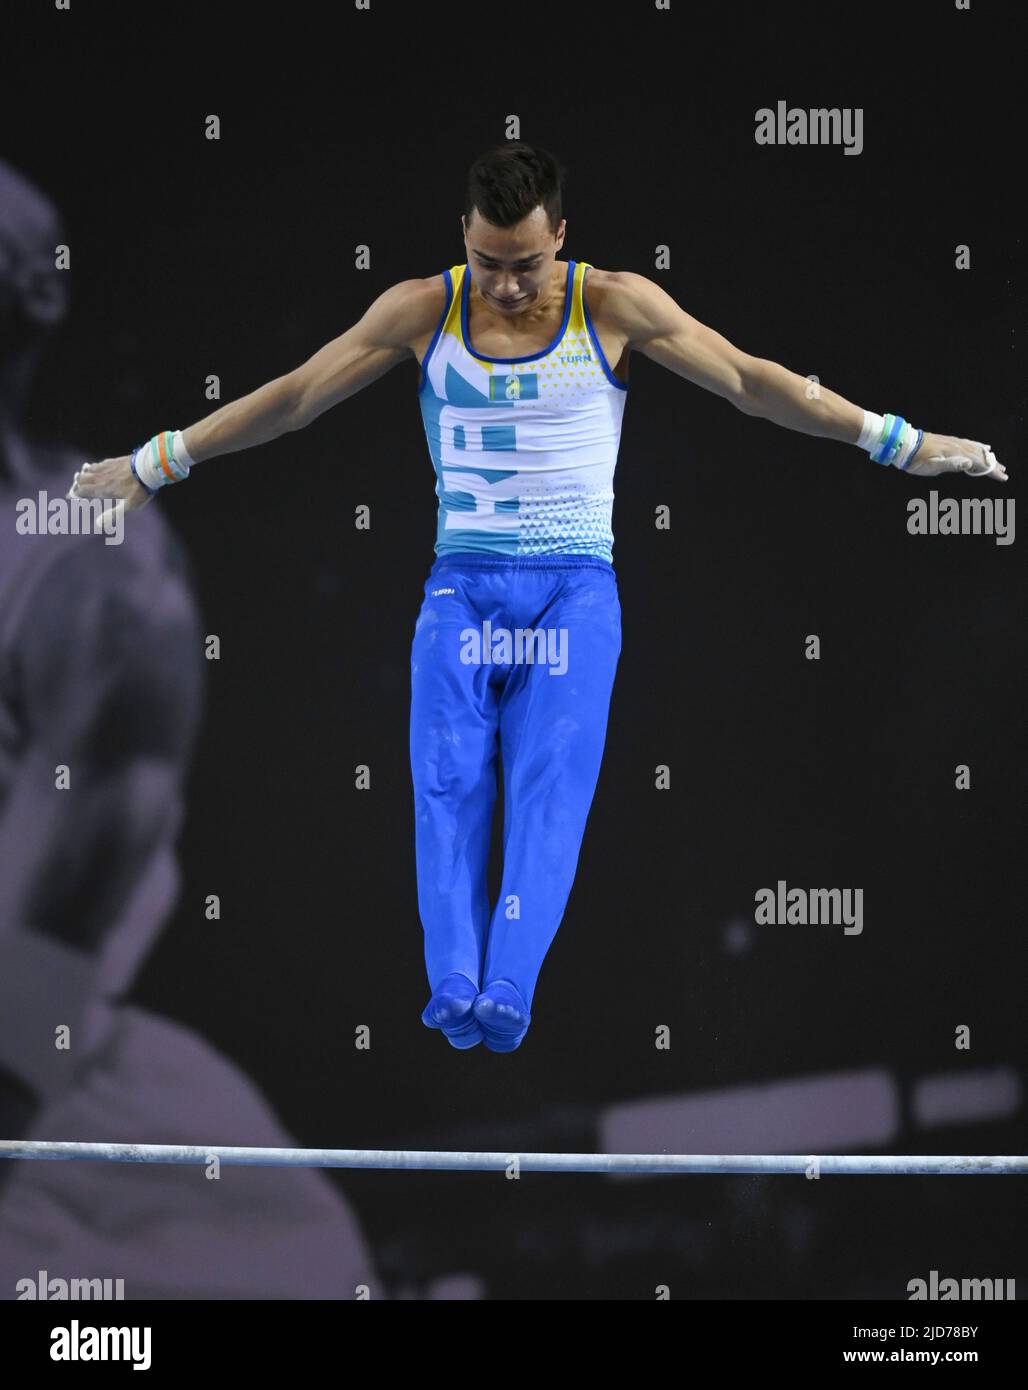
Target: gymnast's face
<point>512,267</point>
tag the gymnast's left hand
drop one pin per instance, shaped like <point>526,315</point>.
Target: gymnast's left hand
<point>110,478</point>
<point>944,453</point>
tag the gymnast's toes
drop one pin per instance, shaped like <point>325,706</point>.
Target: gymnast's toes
<point>451,1009</point>
<point>503,1015</point>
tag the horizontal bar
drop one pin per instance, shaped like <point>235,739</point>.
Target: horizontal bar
<point>432,1160</point>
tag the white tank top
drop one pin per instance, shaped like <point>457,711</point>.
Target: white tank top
<point>524,448</point>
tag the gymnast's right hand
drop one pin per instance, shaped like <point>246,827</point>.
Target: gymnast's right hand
<point>110,478</point>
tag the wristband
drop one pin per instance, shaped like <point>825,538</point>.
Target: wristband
<point>906,459</point>
<point>135,471</point>
<point>180,452</point>
<point>872,430</point>
<point>890,439</point>
<point>158,462</point>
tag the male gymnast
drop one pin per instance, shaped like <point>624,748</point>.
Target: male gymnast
<point>523,378</point>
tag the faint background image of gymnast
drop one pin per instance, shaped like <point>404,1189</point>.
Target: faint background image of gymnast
<point>102,671</point>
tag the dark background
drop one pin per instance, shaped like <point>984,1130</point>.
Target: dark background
<point>236,257</point>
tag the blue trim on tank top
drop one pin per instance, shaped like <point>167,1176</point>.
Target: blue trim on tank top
<point>595,338</point>
<point>438,329</point>
<point>465,291</point>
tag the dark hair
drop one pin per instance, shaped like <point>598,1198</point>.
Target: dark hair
<point>511,179</point>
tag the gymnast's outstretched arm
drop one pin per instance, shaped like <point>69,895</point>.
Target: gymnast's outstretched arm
<point>366,351</point>
<point>654,324</point>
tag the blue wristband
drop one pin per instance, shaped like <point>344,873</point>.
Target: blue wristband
<point>910,457</point>
<point>132,464</point>
<point>888,446</point>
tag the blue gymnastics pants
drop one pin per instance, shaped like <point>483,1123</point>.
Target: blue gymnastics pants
<point>541,700</point>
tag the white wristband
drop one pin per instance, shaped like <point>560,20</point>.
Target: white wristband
<point>872,431</point>
<point>871,435</point>
<point>178,448</point>
<point>911,439</point>
<point>157,463</point>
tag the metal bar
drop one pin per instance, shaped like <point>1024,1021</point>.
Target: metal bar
<point>432,1160</point>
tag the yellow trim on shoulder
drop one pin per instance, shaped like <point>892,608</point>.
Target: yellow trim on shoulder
<point>576,322</point>
<point>452,321</point>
